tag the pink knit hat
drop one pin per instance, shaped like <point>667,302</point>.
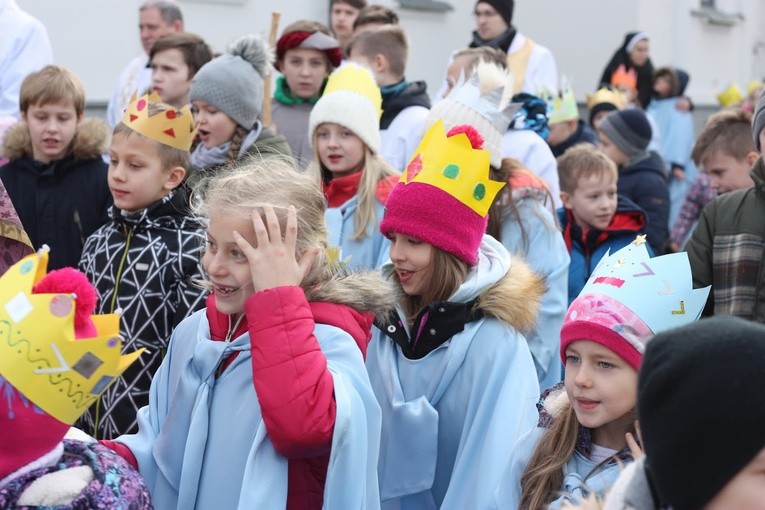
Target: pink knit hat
<point>444,196</point>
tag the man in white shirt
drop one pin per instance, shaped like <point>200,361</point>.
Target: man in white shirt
<point>155,19</point>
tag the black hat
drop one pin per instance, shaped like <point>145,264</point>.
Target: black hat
<point>701,407</point>
<point>503,7</point>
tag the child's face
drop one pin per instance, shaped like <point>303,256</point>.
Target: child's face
<point>225,263</point>
<point>727,173</point>
<point>411,261</point>
<point>602,388</point>
<point>561,131</point>
<point>52,127</point>
<point>136,176</point>
<point>340,151</point>
<point>213,126</point>
<point>663,86</point>
<point>456,70</point>
<point>170,77</point>
<point>745,491</point>
<point>593,202</point>
<point>612,151</point>
<point>342,18</point>
<point>305,70</point>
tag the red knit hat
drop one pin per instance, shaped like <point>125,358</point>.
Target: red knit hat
<point>310,40</point>
<point>444,196</point>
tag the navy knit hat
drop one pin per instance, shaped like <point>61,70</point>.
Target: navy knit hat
<point>503,7</point>
<point>701,408</point>
<point>758,121</point>
<point>629,130</point>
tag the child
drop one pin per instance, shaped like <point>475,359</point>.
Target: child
<point>174,59</point>
<point>624,136</point>
<point>405,104</point>
<point>56,178</point>
<point>687,372</point>
<point>593,217</point>
<point>374,15</point>
<point>227,98</point>
<point>305,55</point>
<point>263,400</point>
<point>566,128</point>
<point>342,14</point>
<point>586,424</point>
<point>48,317</point>
<point>145,260</point>
<point>453,375</point>
<point>603,101</point>
<point>347,163</point>
<point>727,247</point>
<point>519,217</point>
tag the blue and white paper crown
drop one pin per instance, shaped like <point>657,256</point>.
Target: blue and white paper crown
<point>659,290</point>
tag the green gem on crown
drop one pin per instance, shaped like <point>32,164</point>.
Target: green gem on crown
<point>451,171</point>
<point>479,191</point>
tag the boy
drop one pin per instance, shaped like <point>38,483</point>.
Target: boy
<point>405,105</point>
<point>174,59</point>
<point>374,16</point>
<point>624,137</point>
<point>727,247</point>
<point>305,55</point>
<point>725,153</point>
<point>56,178</point>
<point>145,261</point>
<point>342,15</point>
<point>593,218</point>
<point>603,101</point>
<point>566,128</point>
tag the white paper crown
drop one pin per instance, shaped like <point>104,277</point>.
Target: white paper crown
<point>659,290</point>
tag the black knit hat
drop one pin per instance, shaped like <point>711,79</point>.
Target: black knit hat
<point>503,7</point>
<point>701,407</point>
<point>629,130</point>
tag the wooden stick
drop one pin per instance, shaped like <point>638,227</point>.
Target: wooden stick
<point>267,78</point>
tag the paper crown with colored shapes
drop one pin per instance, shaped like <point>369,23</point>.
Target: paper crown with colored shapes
<point>606,95</point>
<point>452,165</point>
<point>731,96</point>
<point>172,127</point>
<point>624,79</point>
<point>39,355</point>
<point>358,79</point>
<point>561,106</point>
<point>659,290</point>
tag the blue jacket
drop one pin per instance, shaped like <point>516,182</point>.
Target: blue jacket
<point>644,181</point>
<point>368,253</point>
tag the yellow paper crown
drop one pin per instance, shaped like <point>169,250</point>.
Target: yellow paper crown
<point>753,86</point>
<point>172,127</point>
<point>39,354</point>
<point>731,96</point>
<point>355,78</point>
<point>608,96</point>
<point>454,166</point>
<point>561,106</point>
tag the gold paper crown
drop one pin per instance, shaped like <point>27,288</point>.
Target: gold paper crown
<point>39,354</point>
<point>731,96</point>
<point>608,96</point>
<point>172,127</point>
<point>753,86</point>
<point>454,166</point>
<point>561,106</point>
<point>624,79</point>
<point>355,78</point>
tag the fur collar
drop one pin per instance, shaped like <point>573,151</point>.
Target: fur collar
<point>91,140</point>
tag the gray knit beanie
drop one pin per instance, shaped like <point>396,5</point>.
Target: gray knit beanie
<point>233,82</point>
<point>629,130</point>
<point>758,121</point>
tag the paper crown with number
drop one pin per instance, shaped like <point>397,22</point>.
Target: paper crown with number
<point>444,195</point>
<point>39,354</point>
<point>731,96</point>
<point>172,127</point>
<point>561,106</point>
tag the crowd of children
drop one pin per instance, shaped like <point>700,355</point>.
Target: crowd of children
<point>346,296</point>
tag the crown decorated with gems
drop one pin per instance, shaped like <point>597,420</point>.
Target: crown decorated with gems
<point>172,127</point>
<point>561,106</point>
<point>39,354</point>
<point>730,96</point>
<point>358,79</point>
<point>452,165</point>
<point>607,95</point>
<point>659,290</point>
<point>624,79</point>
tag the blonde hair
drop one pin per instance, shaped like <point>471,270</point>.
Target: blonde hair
<point>375,170</point>
<point>256,182</point>
<point>583,160</point>
<point>52,84</point>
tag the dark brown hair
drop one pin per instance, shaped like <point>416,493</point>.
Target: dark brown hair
<point>388,40</point>
<point>196,52</point>
<point>728,131</point>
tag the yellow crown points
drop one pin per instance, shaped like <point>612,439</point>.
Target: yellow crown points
<point>731,96</point>
<point>355,78</point>
<point>607,95</point>
<point>452,164</point>
<point>172,127</point>
<point>561,106</point>
<point>39,354</point>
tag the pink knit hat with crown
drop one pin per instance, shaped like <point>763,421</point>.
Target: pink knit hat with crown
<point>444,196</point>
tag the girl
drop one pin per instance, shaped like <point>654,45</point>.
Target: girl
<point>519,218</point>
<point>632,56</point>
<point>305,55</point>
<point>262,400</point>
<point>452,373</point>
<point>227,98</point>
<point>586,425</point>
<point>345,135</point>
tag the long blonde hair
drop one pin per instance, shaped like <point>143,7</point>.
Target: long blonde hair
<point>375,169</point>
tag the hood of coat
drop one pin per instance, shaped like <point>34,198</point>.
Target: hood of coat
<point>91,140</point>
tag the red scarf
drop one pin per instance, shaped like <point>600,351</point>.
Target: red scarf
<point>341,189</point>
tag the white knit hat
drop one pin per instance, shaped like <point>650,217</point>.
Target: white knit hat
<point>351,99</point>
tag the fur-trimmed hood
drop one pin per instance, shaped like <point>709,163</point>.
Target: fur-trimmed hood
<point>90,140</point>
<point>364,291</point>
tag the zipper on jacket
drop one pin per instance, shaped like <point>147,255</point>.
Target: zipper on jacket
<point>78,222</point>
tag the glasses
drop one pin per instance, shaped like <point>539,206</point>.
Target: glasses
<point>485,14</point>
